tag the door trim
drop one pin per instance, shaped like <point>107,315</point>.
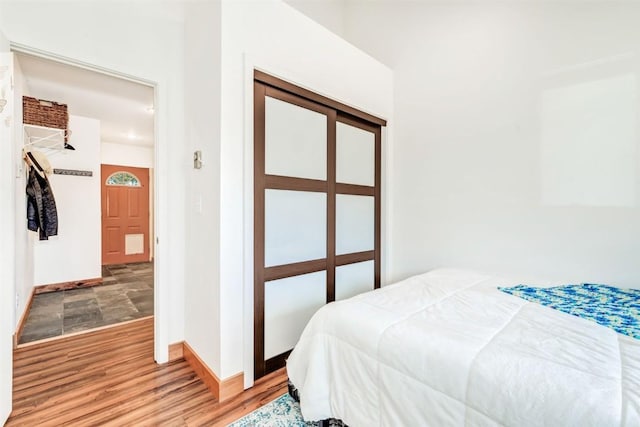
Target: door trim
<point>161,218</point>
<point>284,85</point>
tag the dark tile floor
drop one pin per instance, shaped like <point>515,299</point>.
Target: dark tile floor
<point>126,294</point>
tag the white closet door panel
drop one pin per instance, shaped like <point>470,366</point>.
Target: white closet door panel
<point>354,223</point>
<point>354,279</point>
<point>295,226</point>
<point>295,141</point>
<point>355,155</point>
<point>288,305</point>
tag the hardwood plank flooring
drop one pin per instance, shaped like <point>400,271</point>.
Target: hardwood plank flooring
<point>108,377</point>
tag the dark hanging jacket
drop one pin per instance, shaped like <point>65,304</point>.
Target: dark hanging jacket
<point>42,214</point>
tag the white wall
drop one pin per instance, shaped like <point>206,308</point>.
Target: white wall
<point>75,253</point>
<point>7,268</point>
<point>328,13</point>
<point>275,38</point>
<point>142,39</point>
<point>517,135</point>
<point>202,126</point>
<point>112,153</point>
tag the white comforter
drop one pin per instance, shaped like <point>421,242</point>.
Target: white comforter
<point>446,348</point>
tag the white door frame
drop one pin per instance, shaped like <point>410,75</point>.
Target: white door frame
<point>161,291</point>
<point>7,244</point>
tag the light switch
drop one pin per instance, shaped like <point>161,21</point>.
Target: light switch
<point>197,159</point>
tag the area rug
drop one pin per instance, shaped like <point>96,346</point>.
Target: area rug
<point>282,412</point>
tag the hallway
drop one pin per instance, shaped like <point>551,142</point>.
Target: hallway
<point>126,294</point>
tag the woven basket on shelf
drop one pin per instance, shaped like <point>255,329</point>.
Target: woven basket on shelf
<point>45,113</point>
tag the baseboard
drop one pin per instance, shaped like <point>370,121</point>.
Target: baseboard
<point>231,386</point>
<point>64,286</point>
<point>221,389</point>
<point>176,351</point>
<point>23,318</point>
<point>202,371</point>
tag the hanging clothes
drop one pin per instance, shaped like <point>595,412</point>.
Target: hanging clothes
<point>42,214</point>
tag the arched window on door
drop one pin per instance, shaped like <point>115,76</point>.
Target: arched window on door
<point>123,178</point>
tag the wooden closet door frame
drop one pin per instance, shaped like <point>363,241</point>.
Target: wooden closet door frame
<point>266,85</point>
<point>364,190</point>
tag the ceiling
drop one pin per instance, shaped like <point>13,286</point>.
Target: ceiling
<point>124,108</point>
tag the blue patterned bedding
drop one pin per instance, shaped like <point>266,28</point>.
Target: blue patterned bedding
<point>615,308</point>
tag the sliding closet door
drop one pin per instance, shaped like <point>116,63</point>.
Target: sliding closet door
<point>358,147</point>
<point>316,219</point>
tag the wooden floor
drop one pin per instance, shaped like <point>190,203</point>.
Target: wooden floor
<point>108,377</point>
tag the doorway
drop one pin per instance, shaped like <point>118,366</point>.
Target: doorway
<point>111,121</point>
<point>125,214</point>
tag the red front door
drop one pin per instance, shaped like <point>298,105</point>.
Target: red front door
<point>125,214</point>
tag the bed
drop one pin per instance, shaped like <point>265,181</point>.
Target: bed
<point>447,348</point>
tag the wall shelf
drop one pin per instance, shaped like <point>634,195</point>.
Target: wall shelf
<point>44,137</point>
